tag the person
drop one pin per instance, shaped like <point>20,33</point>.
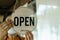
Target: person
<point>6,10</point>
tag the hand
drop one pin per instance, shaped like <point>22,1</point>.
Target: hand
<point>6,24</point>
<point>4,27</point>
<point>28,36</point>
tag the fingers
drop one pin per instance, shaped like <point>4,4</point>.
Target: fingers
<point>28,36</point>
<point>5,37</point>
<point>8,23</point>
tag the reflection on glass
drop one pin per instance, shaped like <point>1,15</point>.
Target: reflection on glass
<point>48,22</point>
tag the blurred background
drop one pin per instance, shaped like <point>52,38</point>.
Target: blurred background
<point>48,15</point>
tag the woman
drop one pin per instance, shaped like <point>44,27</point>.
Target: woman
<point>6,9</point>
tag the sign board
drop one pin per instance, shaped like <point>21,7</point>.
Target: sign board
<point>24,20</point>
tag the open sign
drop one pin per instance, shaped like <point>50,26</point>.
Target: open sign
<point>24,19</point>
